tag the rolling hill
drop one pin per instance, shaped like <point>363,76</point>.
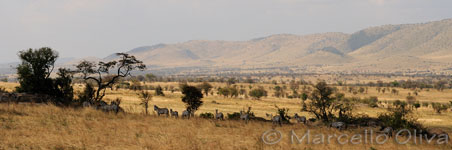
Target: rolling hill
<point>422,48</point>
<point>390,48</point>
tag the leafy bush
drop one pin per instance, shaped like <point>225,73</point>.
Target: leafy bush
<point>399,117</point>
<point>234,116</point>
<point>258,93</point>
<point>206,115</point>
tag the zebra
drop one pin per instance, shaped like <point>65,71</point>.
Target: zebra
<point>338,125</point>
<point>186,113</point>
<point>244,116</point>
<point>218,115</point>
<point>112,107</point>
<point>300,118</point>
<point>387,130</point>
<point>174,113</point>
<point>161,111</point>
<point>277,120</point>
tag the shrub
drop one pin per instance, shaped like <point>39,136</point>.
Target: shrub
<point>438,107</point>
<point>258,93</point>
<point>399,117</point>
<point>283,112</point>
<point>206,115</point>
<point>234,116</point>
<point>425,104</point>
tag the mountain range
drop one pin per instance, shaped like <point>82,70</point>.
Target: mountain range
<point>422,47</point>
<point>415,48</point>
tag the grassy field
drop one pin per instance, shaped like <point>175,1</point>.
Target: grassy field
<point>49,127</point>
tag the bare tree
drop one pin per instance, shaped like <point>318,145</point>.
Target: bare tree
<point>101,73</point>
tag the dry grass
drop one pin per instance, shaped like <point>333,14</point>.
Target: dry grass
<point>50,127</point>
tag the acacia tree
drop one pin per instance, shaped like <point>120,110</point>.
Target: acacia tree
<point>101,73</point>
<point>322,101</point>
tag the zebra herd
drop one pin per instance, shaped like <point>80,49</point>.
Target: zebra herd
<point>164,111</point>
<point>276,120</point>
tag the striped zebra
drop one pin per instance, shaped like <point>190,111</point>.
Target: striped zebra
<point>277,120</point>
<point>387,130</point>
<point>338,125</point>
<point>161,111</point>
<point>244,116</point>
<point>218,115</point>
<point>186,114</point>
<point>174,113</point>
<point>300,118</point>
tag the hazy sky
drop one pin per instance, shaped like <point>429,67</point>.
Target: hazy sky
<point>80,28</point>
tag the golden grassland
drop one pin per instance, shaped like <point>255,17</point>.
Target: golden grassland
<point>32,126</point>
<point>49,127</point>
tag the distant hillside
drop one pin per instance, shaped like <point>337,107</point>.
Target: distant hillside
<point>385,48</point>
<point>413,48</point>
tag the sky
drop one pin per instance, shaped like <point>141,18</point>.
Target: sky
<point>86,28</point>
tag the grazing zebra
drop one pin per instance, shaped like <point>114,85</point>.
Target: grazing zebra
<point>86,104</point>
<point>277,120</point>
<point>244,116</point>
<point>300,118</point>
<point>218,115</point>
<point>338,125</point>
<point>174,113</point>
<point>113,107</point>
<point>186,114</point>
<point>161,111</point>
<point>387,130</point>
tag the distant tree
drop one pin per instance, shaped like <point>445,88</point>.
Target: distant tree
<point>141,78</point>
<point>159,91</point>
<point>101,73</point>
<point>258,93</point>
<point>440,85</point>
<point>205,87</point>
<point>279,92</point>
<point>145,98</point>
<point>224,91</point>
<point>231,81</point>
<point>438,107</point>
<point>150,77</point>
<point>192,97</point>
<point>4,79</point>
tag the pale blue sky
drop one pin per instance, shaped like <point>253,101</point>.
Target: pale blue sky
<point>80,28</point>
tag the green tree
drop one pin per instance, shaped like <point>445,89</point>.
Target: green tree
<point>192,97</point>
<point>35,69</point>
<point>322,102</point>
